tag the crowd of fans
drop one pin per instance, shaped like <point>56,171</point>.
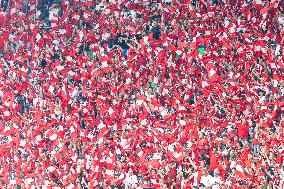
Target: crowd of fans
<point>141,94</point>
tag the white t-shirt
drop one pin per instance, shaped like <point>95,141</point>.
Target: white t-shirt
<point>206,180</point>
<point>217,182</point>
<point>130,181</point>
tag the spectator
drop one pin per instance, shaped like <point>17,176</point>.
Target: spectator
<point>206,179</point>
<point>131,180</point>
<point>141,94</point>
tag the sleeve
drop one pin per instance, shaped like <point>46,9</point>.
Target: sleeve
<point>202,180</point>
<point>126,181</point>
<point>136,180</point>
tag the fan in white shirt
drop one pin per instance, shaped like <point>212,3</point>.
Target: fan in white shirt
<point>206,179</point>
<point>216,180</point>
<point>130,180</point>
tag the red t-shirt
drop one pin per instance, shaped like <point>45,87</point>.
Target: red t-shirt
<point>242,131</point>
<point>255,141</point>
<point>214,159</point>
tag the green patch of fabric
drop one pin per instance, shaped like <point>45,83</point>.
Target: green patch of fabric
<point>177,55</point>
<point>227,68</point>
<point>201,50</point>
<point>91,55</point>
<point>154,86</point>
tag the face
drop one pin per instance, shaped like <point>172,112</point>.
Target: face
<point>216,174</point>
<point>205,172</point>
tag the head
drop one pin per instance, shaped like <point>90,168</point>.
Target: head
<point>216,173</point>
<point>205,172</point>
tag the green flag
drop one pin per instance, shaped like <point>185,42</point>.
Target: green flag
<point>201,50</point>
<point>154,86</point>
<point>91,55</point>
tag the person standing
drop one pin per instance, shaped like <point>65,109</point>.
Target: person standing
<point>131,180</point>
<point>206,179</point>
